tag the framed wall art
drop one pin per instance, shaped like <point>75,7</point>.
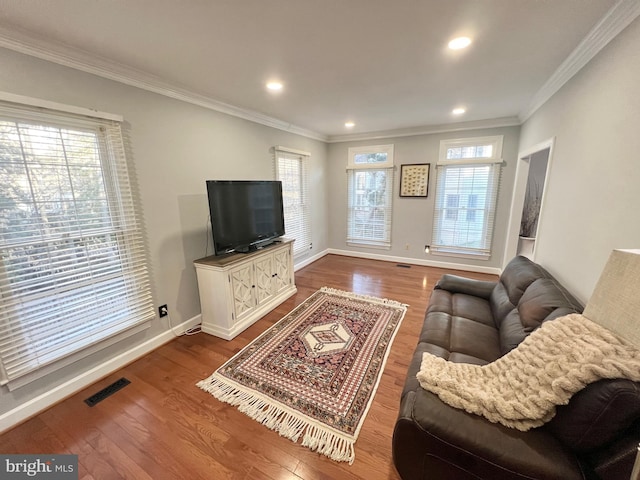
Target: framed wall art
<point>414,180</point>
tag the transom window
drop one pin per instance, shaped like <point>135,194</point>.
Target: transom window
<point>376,156</point>
<point>370,158</point>
<point>470,151</point>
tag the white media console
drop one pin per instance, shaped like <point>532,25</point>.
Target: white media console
<point>237,290</point>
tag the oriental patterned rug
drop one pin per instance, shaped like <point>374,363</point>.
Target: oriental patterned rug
<point>313,375</point>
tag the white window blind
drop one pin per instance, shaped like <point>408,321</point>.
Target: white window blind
<point>370,195</point>
<point>72,262</point>
<point>291,170</point>
<point>369,207</point>
<point>467,185</point>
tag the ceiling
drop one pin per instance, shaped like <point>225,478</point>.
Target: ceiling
<point>383,64</point>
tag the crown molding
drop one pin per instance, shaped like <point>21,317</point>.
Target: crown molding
<point>29,44</point>
<point>61,54</point>
<point>615,20</point>
<point>427,130</point>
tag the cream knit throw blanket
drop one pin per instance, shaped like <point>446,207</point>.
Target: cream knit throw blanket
<point>522,388</point>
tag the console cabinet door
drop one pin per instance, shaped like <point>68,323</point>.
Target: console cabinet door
<point>242,290</point>
<point>264,279</point>
<point>281,270</point>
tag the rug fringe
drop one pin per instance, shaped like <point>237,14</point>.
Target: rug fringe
<point>288,424</point>
<point>359,296</point>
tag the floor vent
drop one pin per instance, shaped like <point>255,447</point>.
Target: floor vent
<point>105,392</point>
<point>403,265</point>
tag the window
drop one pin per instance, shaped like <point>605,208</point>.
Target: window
<point>370,193</point>
<point>291,169</point>
<point>72,263</point>
<point>472,204</point>
<point>453,200</point>
<point>468,177</point>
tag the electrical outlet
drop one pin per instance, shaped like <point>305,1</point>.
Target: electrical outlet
<point>163,311</point>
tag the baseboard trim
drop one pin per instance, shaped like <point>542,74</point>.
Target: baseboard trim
<point>36,405</point>
<point>306,261</point>
<point>416,261</point>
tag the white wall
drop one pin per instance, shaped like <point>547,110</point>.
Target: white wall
<point>413,217</point>
<point>174,148</point>
<point>591,205</point>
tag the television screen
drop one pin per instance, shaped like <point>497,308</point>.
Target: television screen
<point>244,213</point>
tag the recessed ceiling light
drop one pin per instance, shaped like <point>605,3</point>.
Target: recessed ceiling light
<point>458,111</point>
<point>349,124</point>
<point>274,86</point>
<point>460,42</point>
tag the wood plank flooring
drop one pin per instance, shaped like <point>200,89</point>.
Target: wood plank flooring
<point>162,426</point>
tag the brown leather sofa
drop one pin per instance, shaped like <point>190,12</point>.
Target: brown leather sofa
<point>595,436</point>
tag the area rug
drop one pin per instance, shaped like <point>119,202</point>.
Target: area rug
<point>313,375</point>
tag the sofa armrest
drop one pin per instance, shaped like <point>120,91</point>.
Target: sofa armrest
<point>598,414</point>
<point>433,440</point>
<point>469,286</point>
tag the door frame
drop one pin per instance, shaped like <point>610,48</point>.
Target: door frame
<point>519,192</point>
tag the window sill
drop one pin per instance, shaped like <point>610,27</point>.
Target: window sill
<point>354,243</point>
<point>74,357</point>
<point>454,253</point>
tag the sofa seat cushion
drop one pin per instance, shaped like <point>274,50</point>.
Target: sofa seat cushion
<point>460,328</point>
<point>454,338</point>
<point>461,305</point>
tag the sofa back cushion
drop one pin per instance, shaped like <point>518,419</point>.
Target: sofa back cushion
<point>516,277</point>
<point>527,295</point>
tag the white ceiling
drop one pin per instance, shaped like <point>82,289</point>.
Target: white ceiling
<point>381,63</point>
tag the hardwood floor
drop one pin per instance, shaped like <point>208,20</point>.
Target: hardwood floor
<point>162,426</point>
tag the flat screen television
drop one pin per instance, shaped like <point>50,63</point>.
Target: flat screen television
<point>245,214</point>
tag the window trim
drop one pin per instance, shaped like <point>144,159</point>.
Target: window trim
<point>494,162</point>
<point>21,101</point>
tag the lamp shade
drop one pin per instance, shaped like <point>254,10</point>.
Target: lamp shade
<point>615,302</point>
